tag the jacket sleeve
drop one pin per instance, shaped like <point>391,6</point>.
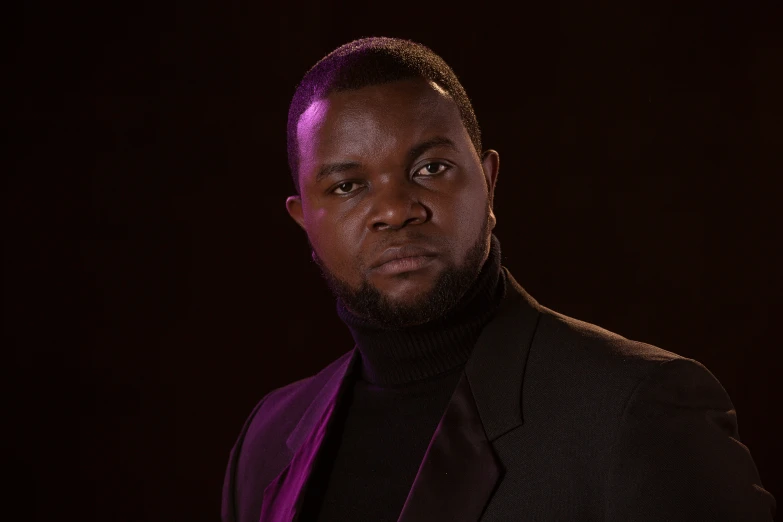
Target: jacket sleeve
<point>228,509</point>
<point>228,505</point>
<point>678,456</point>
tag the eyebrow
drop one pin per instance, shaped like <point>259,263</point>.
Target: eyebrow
<point>417,150</point>
<point>335,168</point>
<point>424,146</point>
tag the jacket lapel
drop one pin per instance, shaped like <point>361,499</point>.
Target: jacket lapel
<point>460,470</point>
<point>283,496</point>
<point>496,367</point>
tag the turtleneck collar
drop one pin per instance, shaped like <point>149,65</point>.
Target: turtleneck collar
<point>399,357</point>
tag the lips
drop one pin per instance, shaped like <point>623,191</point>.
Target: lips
<point>403,252</point>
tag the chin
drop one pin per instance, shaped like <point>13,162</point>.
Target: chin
<point>407,300</point>
<point>407,290</point>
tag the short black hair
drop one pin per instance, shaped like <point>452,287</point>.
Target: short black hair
<point>374,61</point>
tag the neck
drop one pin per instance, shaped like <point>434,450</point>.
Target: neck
<point>402,356</point>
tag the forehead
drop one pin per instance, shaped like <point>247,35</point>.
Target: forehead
<point>374,120</point>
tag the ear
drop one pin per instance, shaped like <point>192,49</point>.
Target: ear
<point>293,204</point>
<point>490,163</point>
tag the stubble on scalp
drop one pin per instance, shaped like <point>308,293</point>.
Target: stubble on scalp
<point>370,304</point>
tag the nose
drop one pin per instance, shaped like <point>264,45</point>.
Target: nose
<point>395,206</point>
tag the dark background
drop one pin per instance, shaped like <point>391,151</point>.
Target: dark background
<point>154,289</point>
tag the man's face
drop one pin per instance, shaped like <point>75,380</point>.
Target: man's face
<point>395,201</point>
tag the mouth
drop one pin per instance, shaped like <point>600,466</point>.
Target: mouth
<point>406,258</point>
<point>404,264</point>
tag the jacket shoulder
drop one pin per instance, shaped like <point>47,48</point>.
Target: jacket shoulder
<point>588,341</point>
<point>620,363</point>
<point>283,407</point>
<point>578,366</point>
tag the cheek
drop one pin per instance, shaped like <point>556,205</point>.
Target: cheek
<point>467,211</point>
<point>331,236</point>
<point>321,232</point>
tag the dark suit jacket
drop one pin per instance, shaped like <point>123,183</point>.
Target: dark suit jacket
<point>554,419</point>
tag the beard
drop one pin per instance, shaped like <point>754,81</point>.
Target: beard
<point>371,305</point>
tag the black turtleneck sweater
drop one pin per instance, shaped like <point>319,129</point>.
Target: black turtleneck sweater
<point>384,424</point>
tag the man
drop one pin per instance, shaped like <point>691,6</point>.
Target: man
<point>463,399</point>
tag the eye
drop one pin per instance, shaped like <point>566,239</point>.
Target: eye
<point>431,169</point>
<point>346,187</point>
